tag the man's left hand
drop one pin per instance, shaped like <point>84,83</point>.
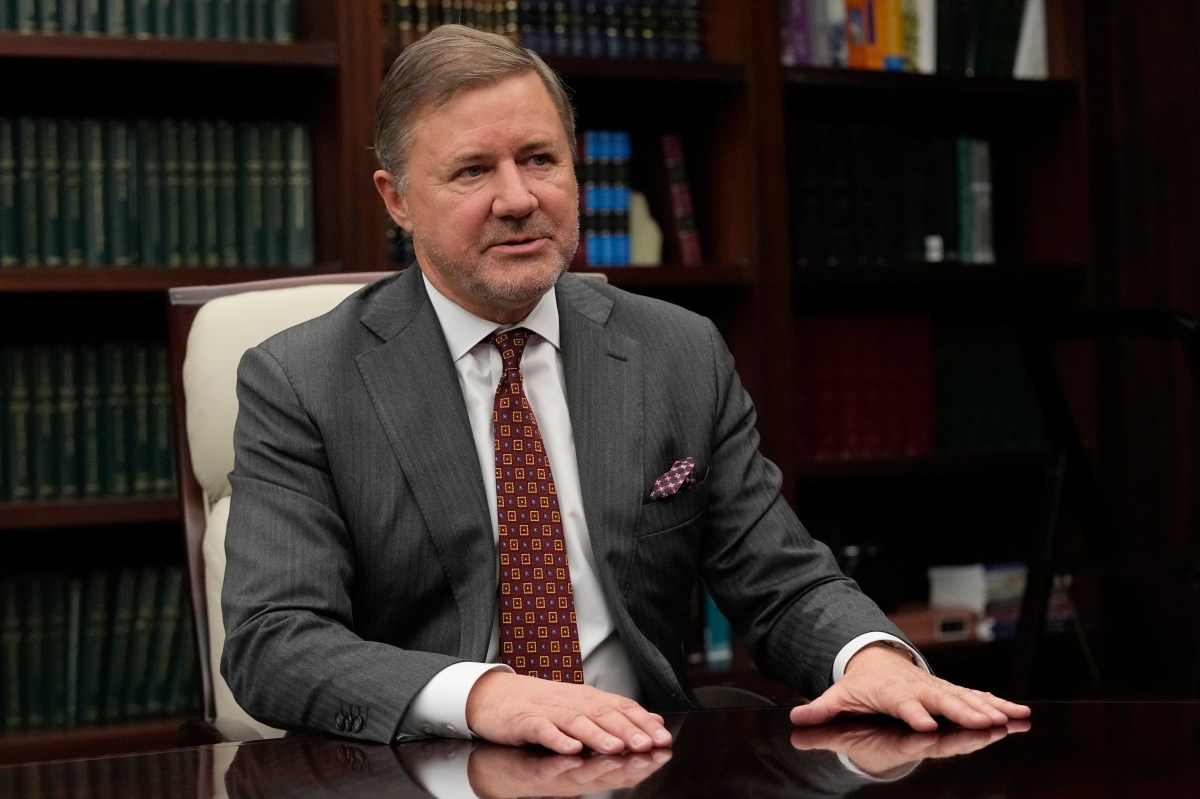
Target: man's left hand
<point>883,679</point>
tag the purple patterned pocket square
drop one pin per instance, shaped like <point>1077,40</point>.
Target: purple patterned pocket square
<point>679,475</point>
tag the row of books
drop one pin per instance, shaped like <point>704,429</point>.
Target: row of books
<point>233,20</point>
<point>85,421</point>
<point>602,172</point>
<point>154,193</point>
<point>629,29</point>
<point>101,645</point>
<point>993,38</point>
<point>868,195</point>
<point>873,386</point>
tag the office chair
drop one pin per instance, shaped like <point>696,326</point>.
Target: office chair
<point>1116,561</point>
<point>209,329</point>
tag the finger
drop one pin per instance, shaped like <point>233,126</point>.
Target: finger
<point>818,711</point>
<point>540,730</point>
<point>599,737</point>
<point>913,713</point>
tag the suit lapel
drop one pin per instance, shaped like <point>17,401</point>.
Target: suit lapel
<point>603,372</point>
<point>413,386</point>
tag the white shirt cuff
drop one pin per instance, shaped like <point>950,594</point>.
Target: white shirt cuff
<point>851,649</point>
<point>440,708</point>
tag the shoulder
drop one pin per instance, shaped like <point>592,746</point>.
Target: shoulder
<point>630,314</point>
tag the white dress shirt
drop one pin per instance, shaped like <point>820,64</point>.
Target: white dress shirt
<point>440,707</point>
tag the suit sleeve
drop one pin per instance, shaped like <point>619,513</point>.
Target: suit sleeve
<point>292,657</point>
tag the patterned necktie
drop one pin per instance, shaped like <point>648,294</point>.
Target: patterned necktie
<point>538,635</point>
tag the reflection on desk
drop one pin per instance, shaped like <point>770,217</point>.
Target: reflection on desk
<point>1068,749</point>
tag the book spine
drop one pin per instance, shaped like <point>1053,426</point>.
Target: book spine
<point>28,203</point>
<point>116,18</point>
<point>151,249</point>
<point>172,191</point>
<point>33,643</point>
<point>12,698</point>
<point>18,391</point>
<point>93,639</point>
<point>71,200</point>
<point>141,18</point>
<point>274,195</point>
<point>162,429</point>
<point>96,245</point>
<point>119,634</point>
<point>54,654</point>
<point>74,635</point>
<point>90,481</point>
<point>209,213</point>
<point>66,424</point>
<point>10,213</point>
<point>91,18</point>
<point>139,444</point>
<point>251,168</point>
<point>171,602</point>
<point>49,193</point>
<point>679,196</point>
<point>299,206</point>
<point>43,465</point>
<point>227,194</point>
<point>189,192</point>
<point>114,420</point>
<point>137,668</point>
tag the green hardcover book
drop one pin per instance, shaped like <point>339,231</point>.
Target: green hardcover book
<point>223,19</point>
<point>120,632</point>
<point>251,202</point>
<point>141,18</point>
<point>162,20</point>
<point>172,182</point>
<point>283,21</point>
<point>6,24</point>
<point>299,206</point>
<point>49,15</point>
<point>25,18</point>
<point>43,455</point>
<point>28,168</point>
<point>90,483</point>
<point>227,194</point>
<point>204,18</point>
<point>55,600</point>
<point>12,698</point>
<point>181,685</point>
<point>139,443</point>
<point>260,20</point>
<point>19,404</point>
<point>162,430</point>
<point>274,196</point>
<point>189,191</point>
<point>183,24</point>
<point>93,643</point>
<point>116,17</point>
<point>68,16</point>
<point>119,196</point>
<point>151,250</point>
<point>66,421</point>
<point>209,217</point>
<point>91,17</point>
<point>33,643</point>
<point>73,639</point>
<point>70,150</point>
<point>243,29</point>
<point>170,604</point>
<point>96,251</point>
<point>10,214</point>
<point>145,619</point>
<point>49,193</point>
<point>114,421</point>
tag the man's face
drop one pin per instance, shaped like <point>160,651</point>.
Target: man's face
<point>490,199</point>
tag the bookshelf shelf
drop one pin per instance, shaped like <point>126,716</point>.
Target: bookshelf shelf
<point>859,84</point>
<point>88,512</point>
<point>139,279</point>
<point>17,48</point>
<point>669,276</point>
<point>91,741</point>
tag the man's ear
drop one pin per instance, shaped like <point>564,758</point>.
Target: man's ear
<point>396,205</point>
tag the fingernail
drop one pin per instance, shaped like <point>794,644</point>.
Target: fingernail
<point>662,737</point>
<point>640,739</point>
<point>613,745</point>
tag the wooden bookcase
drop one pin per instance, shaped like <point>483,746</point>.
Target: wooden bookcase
<point>732,109</point>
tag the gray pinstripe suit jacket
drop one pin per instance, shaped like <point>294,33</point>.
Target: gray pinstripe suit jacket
<point>360,551</point>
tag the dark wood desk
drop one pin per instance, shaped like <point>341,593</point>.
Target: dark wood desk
<point>1069,749</point>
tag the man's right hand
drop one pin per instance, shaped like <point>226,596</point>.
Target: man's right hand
<point>508,708</point>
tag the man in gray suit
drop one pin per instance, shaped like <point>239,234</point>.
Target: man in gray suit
<point>361,590</point>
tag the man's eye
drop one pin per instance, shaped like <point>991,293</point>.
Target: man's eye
<point>471,172</point>
<point>541,159</point>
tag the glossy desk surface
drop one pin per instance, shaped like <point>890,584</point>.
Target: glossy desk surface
<point>1068,749</point>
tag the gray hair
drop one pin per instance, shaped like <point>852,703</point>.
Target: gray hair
<point>429,72</point>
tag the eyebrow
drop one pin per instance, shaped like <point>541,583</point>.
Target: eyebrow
<point>479,155</point>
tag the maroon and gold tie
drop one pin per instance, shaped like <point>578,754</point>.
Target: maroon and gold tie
<point>538,635</point>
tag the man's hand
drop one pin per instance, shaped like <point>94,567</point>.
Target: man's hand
<point>510,708</point>
<point>501,772</point>
<point>883,679</point>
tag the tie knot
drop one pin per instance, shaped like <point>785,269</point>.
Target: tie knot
<point>511,344</point>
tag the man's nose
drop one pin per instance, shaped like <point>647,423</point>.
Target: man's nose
<point>514,195</point>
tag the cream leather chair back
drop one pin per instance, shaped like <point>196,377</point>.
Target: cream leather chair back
<point>211,327</point>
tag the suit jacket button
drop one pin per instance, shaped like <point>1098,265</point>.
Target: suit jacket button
<point>358,724</point>
<point>340,721</point>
